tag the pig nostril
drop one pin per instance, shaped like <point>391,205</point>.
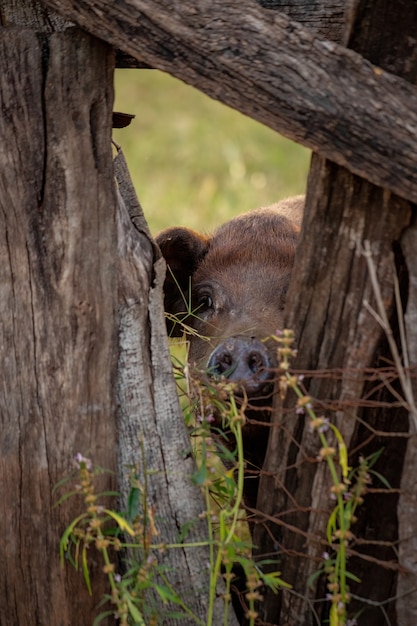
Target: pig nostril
<point>256,363</point>
<point>221,364</point>
<point>241,360</point>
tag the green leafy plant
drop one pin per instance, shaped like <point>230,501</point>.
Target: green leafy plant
<point>137,594</point>
<point>348,487</point>
<point>220,475</point>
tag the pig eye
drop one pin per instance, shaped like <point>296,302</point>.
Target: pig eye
<point>204,303</point>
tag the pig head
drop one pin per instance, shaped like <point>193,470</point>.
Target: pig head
<point>229,289</point>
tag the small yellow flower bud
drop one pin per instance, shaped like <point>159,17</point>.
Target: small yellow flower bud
<point>340,488</point>
<point>95,523</point>
<point>253,595</point>
<point>326,452</point>
<point>292,381</point>
<point>304,401</point>
<point>251,615</point>
<point>109,568</point>
<point>343,534</point>
<point>316,423</point>
<point>101,544</point>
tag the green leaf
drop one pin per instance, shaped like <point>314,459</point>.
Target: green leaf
<point>343,455</point>
<point>167,594</point>
<point>372,458</point>
<point>115,494</point>
<point>184,530</point>
<point>352,577</point>
<point>178,615</point>
<point>200,475</point>
<point>133,503</point>
<point>102,470</point>
<point>313,577</point>
<point>63,544</point>
<point>64,481</point>
<point>331,524</point>
<point>135,613</point>
<point>122,523</point>
<point>273,581</point>
<point>334,617</point>
<point>65,497</point>
<point>86,573</point>
<point>343,459</point>
<point>383,480</point>
<point>100,617</point>
<point>226,454</point>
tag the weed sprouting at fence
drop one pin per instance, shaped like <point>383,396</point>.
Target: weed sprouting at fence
<point>140,592</point>
<point>136,582</point>
<point>348,487</point>
<point>220,474</point>
<point>134,594</point>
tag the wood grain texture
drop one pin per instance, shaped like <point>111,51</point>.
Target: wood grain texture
<point>386,36</point>
<point>326,19</point>
<point>31,14</point>
<point>152,435</point>
<point>407,504</point>
<point>57,305</point>
<point>335,331</point>
<point>315,92</point>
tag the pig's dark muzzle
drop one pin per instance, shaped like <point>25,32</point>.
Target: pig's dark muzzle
<point>243,360</point>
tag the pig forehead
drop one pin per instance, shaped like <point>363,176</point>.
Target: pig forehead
<point>248,277</point>
<point>218,263</point>
<point>240,257</point>
<point>261,251</point>
<point>250,261</point>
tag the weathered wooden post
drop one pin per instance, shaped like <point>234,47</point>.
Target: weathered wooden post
<point>58,326</point>
<point>85,361</point>
<point>336,332</point>
<point>58,296</point>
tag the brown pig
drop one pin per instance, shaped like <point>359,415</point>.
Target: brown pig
<point>230,288</point>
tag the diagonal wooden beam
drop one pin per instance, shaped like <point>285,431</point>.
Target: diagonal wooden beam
<point>313,91</point>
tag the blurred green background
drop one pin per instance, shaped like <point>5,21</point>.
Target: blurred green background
<point>196,162</point>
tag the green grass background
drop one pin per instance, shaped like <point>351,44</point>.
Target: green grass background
<point>196,162</point>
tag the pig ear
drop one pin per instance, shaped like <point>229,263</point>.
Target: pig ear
<point>183,250</point>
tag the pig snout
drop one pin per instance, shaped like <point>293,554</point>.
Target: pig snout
<point>244,360</point>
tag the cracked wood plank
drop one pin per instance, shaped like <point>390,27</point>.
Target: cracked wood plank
<point>57,329</point>
<point>318,93</point>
